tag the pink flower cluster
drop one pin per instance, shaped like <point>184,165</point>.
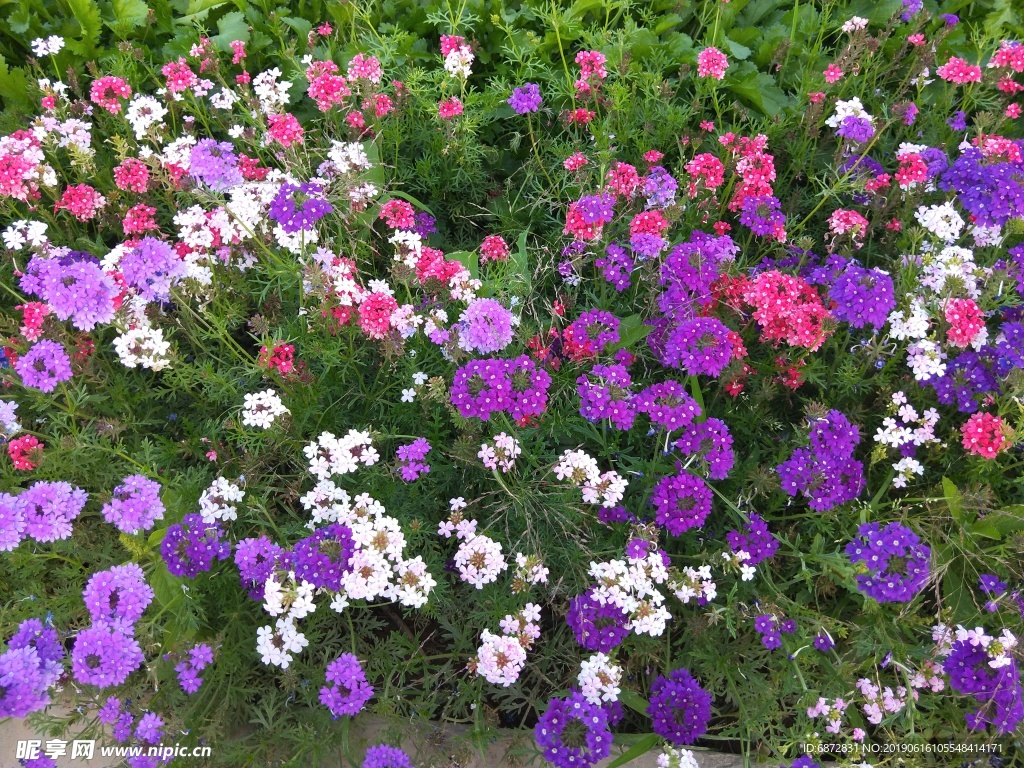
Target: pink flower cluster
<point>712,63</point>
<point>105,92</point>
<point>960,72</point>
<point>788,309</point>
<point>984,434</point>
<point>965,321</point>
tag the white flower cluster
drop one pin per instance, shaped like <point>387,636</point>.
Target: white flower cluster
<point>502,454</point>
<point>479,560</point>
<point>25,232</point>
<point>219,501</point>
<point>854,24</point>
<point>9,424</point>
<point>277,644</point>
<point>418,380</point>
<point>262,408</point>
<point>912,324</point>
<point>912,428</point>
<point>695,584</point>
<point>500,658</point>
<point>348,157</point>
<point>459,61</point>
<point>326,503</point>
<point>330,455</point>
<point>941,220</point>
<point>288,597</point>
<point>951,262</point>
<point>47,46</point>
<point>581,469</point>
<point>677,758</point>
<point>599,679</point>
<point>143,346</point>
<point>845,109</point>
<point>925,359</point>
<point>270,90</point>
<point>144,113</point>
<point>530,570</point>
<point>632,586</point>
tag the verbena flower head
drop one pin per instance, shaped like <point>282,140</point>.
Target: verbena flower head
<point>75,288</point>
<point>485,326</point>
<point>104,657</point>
<point>297,207</point>
<point>323,558</point>
<point>862,296</point>
<point>682,501</point>
<point>153,268</point>
<point>347,690</point>
<point>385,756</point>
<point>896,561</point>
<point>12,521</point>
<point>680,708</point>
<point>117,597</point>
<point>604,394</point>
<point>668,405</point>
<point>698,346</point>
<point>526,98</point>
<point>134,505</point>
<point>215,164</point>
<point>597,626</point>
<point>190,547</point>
<point>573,733</point>
<point>49,508</point>
<point>256,559</point>
<point>711,442</point>
<point>44,366</point>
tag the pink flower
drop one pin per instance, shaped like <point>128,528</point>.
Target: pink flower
<point>575,161</point>
<point>399,214</point>
<point>131,175</point>
<point>35,313</point>
<point>494,248</point>
<point>816,97</point>
<point>238,47</point>
<point>916,40</point>
<point>81,201</point>
<point>984,435</point>
<point>375,314</point>
<point>712,63</point>
<point>652,156</point>
<point>365,68</point>
<point>965,321</point>
<point>25,452</point>
<point>833,73</point>
<point>179,76</point>
<point>106,91</point>
<point>285,129</point>
<point>1013,111</point>
<point>960,72</point>
<point>449,108</point>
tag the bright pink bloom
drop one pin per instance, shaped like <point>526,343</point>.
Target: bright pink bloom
<point>1010,55</point>
<point>623,179</point>
<point>494,248</point>
<point>451,43</point>
<point>81,201</point>
<point>355,120</point>
<point>365,68</point>
<point>106,91</point>
<point>575,161</point>
<point>180,76</point>
<point>706,171</point>
<point>35,313</point>
<point>238,48</point>
<point>132,175</point>
<point>913,170</point>
<point>816,97</point>
<point>965,321</point>
<point>984,434</point>
<point>25,452</point>
<point>960,72</point>
<point>843,222</point>
<point>787,309</point>
<point>916,40</point>
<point>449,108</point>
<point>652,156</point>
<point>712,63</point>
<point>1013,111</point>
<point>139,219</point>
<point>382,105</point>
<point>375,314</point>
<point>399,214</point>
<point>833,73</point>
<point>285,129</point>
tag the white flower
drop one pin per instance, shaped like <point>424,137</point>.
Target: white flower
<point>262,408</point>
<point>599,679</point>
<point>414,583</point>
<point>577,467</point>
<point>845,109</point>
<point>145,347</point>
<point>456,504</point>
<point>854,24</point>
<point>408,395</point>
<point>218,502</point>
<point>271,93</point>
<point>419,378</point>
<point>143,113</point>
<point>500,658</point>
<point>48,46</point>
<point>479,560</point>
<point>941,220</point>
<point>277,644</point>
<point>458,62</point>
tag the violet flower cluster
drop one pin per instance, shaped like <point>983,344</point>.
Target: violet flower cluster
<point>826,472</point>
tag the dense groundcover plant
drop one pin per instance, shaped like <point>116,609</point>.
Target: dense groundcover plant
<point>570,395</point>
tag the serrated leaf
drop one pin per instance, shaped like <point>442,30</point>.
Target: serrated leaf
<point>301,26</point>
<point>20,20</point>
<point>759,91</point>
<point>128,15</point>
<point>737,50</point>
<point>87,14</point>
<point>232,26</point>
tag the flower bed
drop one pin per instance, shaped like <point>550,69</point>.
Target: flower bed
<point>687,427</point>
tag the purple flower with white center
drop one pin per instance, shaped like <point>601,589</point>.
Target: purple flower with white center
<point>32,634</point>
<point>998,689</point>
<point>958,122</point>
<point>485,326</point>
<point>711,442</point>
<point>590,333</point>
<point>668,405</point>
<point>23,682</point>
<point>834,435</point>
<point>597,627</point>
<point>573,733</point>
<point>480,388</point>
<point>215,164</point>
<point>347,690</point>
<point>411,457</point>
<point>826,473</point>
<point>49,508</point>
<point>763,214</point>
<point>118,597</point>
<point>755,539</point>
<point>857,129</point>
<point>528,388</point>
<point>895,562</point>
<point>680,709</point>
<point>659,188</point>
<point>12,521</point>
<point>616,266</point>
<point>75,288</point>
<point>767,626</point>
<point>188,669</point>
<point>298,207</point>
<point>150,728</point>
<point>994,588</point>
<point>647,245</point>
<point>596,209</point>
<point>967,380</point>
<point>103,657</point>
<point>323,558</point>
<point>682,501</point>
<point>604,394</point>
<point>256,559</point>
<point>688,271</point>
<point>190,547</point>
<point>152,268</point>
<point>44,366</point>
<point>824,643</point>
<point>386,756</point>
<point>698,346</point>
<point>135,505</point>
<point>862,296</point>
<point>526,98</point>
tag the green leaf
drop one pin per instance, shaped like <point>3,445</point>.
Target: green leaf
<point>410,199</point>
<point>469,259</point>
<point>631,331</point>
<point>954,499</point>
<point>128,15</point>
<point>521,260</point>
<point>301,26</point>
<point>760,91</point>
<point>738,51</point>
<point>14,84</point>
<point>232,26</point>
<point>634,701</point>
<point>644,745</point>
<point>87,14</point>
<point>996,525</point>
<point>20,20</point>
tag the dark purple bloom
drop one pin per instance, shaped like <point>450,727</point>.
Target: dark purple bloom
<point>597,627</point>
<point>895,561</point>
<point>256,559</point>
<point>616,266</point>
<point>604,394</point>
<point>426,225</point>
<point>24,680</point>
<point>573,733</point>
<point>411,457</point>
<point>190,547</point>
<point>823,643</point>
<point>698,346</point>
<point>682,501</point>
<point>668,405</point>
<point>323,558</point>
<point>32,634</point>
<point>857,129</point>
<point>659,188</point>
<point>862,296</point>
<point>958,122</point>
<point>763,214</point>
<point>711,442</point>
<point>911,8</point>
<point>347,691</point>
<point>103,656</point>
<point>680,708</point>
<point>385,756</point>
<point>756,540</point>
<point>998,690</point>
<point>299,207</point>
<point>150,728</point>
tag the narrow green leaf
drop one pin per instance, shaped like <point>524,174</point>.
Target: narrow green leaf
<point>644,745</point>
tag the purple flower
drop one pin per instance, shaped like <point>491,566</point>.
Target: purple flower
<point>75,288</point>
<point>910,113</point>
<point>526,98</point>
<point>426,225</point>
<point>997,690</point>
<point>826,474</point>
<point>385,756</point>
<point>647,245</point>
<point>299,206</point>
<point>24,680</point>
<point>597,627</point>
<point>682,501</point>
<point>189,548</point>
<point>411,457</point>
<point>49,508</point>
<point>698,346</point>
<point>150,728</point>
<point>12,521</point>
<point>965,383</point>
<point>573,733</point>
<point>215,164</point>
<point>689,270</point>
<point>135,505</point>
<point>863,296</point>
<point>895,561</point>
<point>763,214</point>
<point>517,386</point>
<point>256,558</point>
<point>102,656</point>
<point>668,405</point>
<point>323,558</point>
<point>823,643</point>
<point>911,8</point>
<point>659,188</point>
<point>485,326</point>
<point>117,597</point>
<point>680,709</point>
<point>590,333</point>
<point>857,129</point>
<point>755,539</point>
<point>32,634</point>
<point>44,366</point>
<point>711,442</point>
<point>604,394</point>
<point>347,691</point>
<point>152,268</point>
<point>616,266</point>
<point>958,122</point>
